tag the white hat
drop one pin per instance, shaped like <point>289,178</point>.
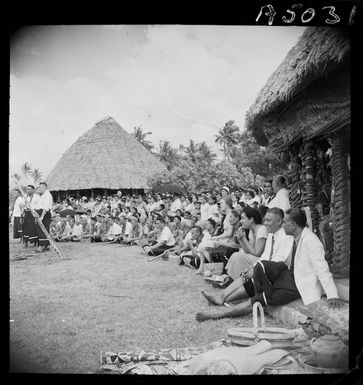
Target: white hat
<point>225,188</point>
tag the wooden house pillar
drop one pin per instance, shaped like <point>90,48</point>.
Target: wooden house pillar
<point>295,177</point>
<point>310,190</point>
<point>340,204</point>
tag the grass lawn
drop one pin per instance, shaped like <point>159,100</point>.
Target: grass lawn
<point>103,298</point>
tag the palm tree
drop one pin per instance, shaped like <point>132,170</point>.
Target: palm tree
<point>205,154</point>
<point>167,154</point>
<point>26,169</point>
<point>37,175</point>
<point>228,137</point>
<point>140,137</point>
<point>191,150</point>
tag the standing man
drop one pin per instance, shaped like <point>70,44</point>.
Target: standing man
<point>16,219</point>
<point>30,228</point>
<point>43,212</point>
<point>268,193</point>
<point>281,199</point>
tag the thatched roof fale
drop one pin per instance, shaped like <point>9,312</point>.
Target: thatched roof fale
<point>106,156</point>
<point>319,51</point>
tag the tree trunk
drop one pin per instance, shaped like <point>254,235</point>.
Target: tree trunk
<point>341,215</point>
<point>310,191</point>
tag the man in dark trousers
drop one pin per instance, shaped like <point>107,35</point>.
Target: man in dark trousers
<point>43,212</point>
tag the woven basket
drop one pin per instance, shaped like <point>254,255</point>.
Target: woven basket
<point>214,267</point>
<point>278,337</point>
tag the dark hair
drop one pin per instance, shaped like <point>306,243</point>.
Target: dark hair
<point>251,212</point>
<point>160,218</point>
<point>44,183</point>
<point>17,190</point>
<point>262,209</point>
<point>177,216</point>
<point>31,186</point>
<point>199,229</point>
<point>214,199</point>
<point>281,180</point>
<point>212,222</point>
<point>228,201</point>
<point>298,216</point>
<point>276,211</point>
<point>236,213</point>
<point>162,206</point>
<point>251,192</point>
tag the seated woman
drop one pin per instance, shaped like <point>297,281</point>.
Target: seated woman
<point>252,248</point>
<point>230,243</point>
<point>114,230</point>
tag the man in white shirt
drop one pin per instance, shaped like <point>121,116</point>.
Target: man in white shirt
<point>77,231</point>
<point>113,231</point>
<point>204,209</point>
<point>29,228</point>
<point>176,205</point>
<point>281,199</point>
<point>43,212</point>
<point>165,239</point>
<point>16,219</point>
<point>268,193</point>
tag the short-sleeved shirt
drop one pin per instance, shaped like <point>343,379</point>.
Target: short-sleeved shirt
<point>45,201</point>
<point>17,207</point>
<point>77,230</point>
<point>261,232</point>
<point>166,237</point>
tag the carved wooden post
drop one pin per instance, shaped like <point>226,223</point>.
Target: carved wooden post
<point>310,191</point>
<point>295,177</point>
<point>341,215</point>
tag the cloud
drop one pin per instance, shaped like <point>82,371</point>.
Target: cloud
<point>179,82</point>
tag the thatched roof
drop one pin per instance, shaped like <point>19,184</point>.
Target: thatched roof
<point>319,51</point>
<point>106,156</point>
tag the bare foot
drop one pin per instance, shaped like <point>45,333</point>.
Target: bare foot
<point>204,316</point>
<point>215,299</point>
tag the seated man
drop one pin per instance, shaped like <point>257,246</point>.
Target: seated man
<point>114,230</point>
<point>165,239</point>
<point>66,234</point>
<point>136,232</point>
<point>188,246</point>
<point>126,228</point>
<point>230,244</point>
<point>304,276</point>
<point>77,231</point>
<point>98,229</point>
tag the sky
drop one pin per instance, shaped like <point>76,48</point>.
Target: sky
<point>179,82</point>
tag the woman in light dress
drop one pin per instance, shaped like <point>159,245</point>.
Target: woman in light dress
<point>252,248</point>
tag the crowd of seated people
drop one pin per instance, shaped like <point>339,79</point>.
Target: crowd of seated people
<point>266,247</point>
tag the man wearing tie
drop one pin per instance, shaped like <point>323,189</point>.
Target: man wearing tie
<point>305,275</point>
